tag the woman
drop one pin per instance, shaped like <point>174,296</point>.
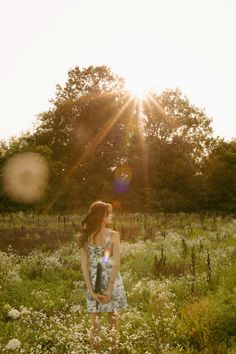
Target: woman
<point>100,258</point>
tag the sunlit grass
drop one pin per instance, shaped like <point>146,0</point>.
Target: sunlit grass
<point>171,308</point>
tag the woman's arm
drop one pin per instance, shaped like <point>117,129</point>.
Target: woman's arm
<point>116,261</point>
<point>85,269</point>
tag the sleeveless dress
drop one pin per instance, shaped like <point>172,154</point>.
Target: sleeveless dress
<point>103,254</point>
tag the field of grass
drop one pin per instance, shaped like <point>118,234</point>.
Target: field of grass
<point>179,273</point>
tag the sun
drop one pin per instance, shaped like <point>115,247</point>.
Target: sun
<point>137,87</point>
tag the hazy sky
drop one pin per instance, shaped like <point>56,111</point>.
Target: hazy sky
<point>158,44</point>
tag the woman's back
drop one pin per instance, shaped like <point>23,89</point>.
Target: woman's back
<point>100,238</point>
<point>102,252</point>
<point>100,258</point>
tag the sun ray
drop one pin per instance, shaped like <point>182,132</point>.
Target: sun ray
<point>129,122</point>
<point>158,106</point>
<point>144,150</point>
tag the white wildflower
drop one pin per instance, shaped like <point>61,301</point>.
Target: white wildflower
<point>24,310</point>
<point>75,308</point>
<point>13,344</point>
<point>14,314</point>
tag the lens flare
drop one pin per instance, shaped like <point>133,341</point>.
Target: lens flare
<point>106,256</point>
<point>106,259</point>
<point>123,176</point>
<point>25,177</point>
<point>82,134</point>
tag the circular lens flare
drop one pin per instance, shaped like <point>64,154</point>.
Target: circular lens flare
<point>123,176</point>
<point>25,177</point>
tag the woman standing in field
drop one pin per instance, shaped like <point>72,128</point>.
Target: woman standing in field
<point>100,258</point>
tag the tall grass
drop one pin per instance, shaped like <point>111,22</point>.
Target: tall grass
<point>179,273</point>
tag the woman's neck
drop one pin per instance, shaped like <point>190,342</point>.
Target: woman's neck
<point>102,230</point>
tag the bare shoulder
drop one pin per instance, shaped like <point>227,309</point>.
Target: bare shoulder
<point>115,237</point>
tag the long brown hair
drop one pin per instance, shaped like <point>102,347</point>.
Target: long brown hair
<point>92,223</point>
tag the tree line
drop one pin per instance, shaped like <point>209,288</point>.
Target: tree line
<point>155,154</point>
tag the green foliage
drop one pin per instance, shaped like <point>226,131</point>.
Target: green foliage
<point>95,127</point>
<point>219,172</point>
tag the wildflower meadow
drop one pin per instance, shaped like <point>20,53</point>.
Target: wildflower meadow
<point>179,273</point>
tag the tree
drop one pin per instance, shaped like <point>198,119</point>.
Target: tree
<point>171,115</point>
<point>86,129</point>
<point>219,178</point>
<point>101,143</point>
<point>176,136</point>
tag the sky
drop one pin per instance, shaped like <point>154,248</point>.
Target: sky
<point>153,44</point>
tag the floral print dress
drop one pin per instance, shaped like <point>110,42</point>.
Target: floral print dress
<point>103,255</point>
